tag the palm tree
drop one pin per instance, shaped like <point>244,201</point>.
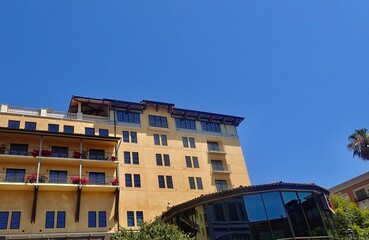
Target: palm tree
<point>359,143</point>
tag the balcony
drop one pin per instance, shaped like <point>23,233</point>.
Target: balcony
<point>214,147</point>
<point>22,181</point>
<point>216,168</point>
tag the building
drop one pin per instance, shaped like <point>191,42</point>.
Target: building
<point>108,162</point>
<point>355,190</point>
<point>271,211</point>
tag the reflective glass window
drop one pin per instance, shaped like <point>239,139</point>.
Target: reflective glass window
<point>185,124</point>
<point>188,161</point>
<point>159,160</point>
<point>192,142</point>
<point>185,142</point>
<point>91,219</point>
<point>127,157</point>
<point>13,124</point>
<point>191,181</point>
<point>156,139</point>
<point>158,121</point>
<point>60,220</point>
<point>139,217</point>
<point>4,220</point>
<point>49,221</point>
<point>125,136</point>
<point>133,137</point>
<point>166,160</point>
<point>164,140</point>
<point>137,180</point>
<point>128,178</point>
<point>53,127</point>
<point>15,221</point>
<point>130,219</point>
<point>135,159</point>
<point>68,129</point>
<point>128,117</point>
<point>30,126</point>
<point>102,219</point>
<point>97,178</point>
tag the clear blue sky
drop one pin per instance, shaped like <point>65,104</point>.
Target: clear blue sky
<point>298,71</point>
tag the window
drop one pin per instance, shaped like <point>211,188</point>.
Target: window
<point>30,126</point>
<point>104,132</point>
<point>49,221</point>
<point>18,149</point>
<point>97,178</point>
<point>166,160</point>
<point>361,194</point>
<point>130,219</point>
<point>60,220</point>
<point>4,220</point>
<point>217,165</point>
<point>56,176</point>
<point>102,219</point>
<point>137,180</point>
<point>59,152</point>
<point>96,154</point>
<point>68,129</point>
<point>139,217</point>
<point>186,140</point>
<point>133,137</point>
<point>158,121</point>
<point>90,131</point>
<point>15,175</point>
<point>213,146</point>
<point>15,221</point>
<point>127,157</point>
<point>199,183</point>
<point>168,179</point>
<point>185,124</point>
<point>159,160</point>
<point>135,159</point>
<point>191,181</point>
<point>128,117</point>
<point>210,127</point>
<point>194,162</point>
<point>157,137</point>
<point>13,124</point>
<point>91,219</point>
<point>128,178</point>
<point>221,185</point>
<point>126,136</point>
<point>53,127</point>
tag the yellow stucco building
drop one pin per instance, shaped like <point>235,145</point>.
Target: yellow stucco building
<point>107,162</point>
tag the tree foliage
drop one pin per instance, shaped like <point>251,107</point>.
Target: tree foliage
<point>359,143</point>
<point>156,230</point>
<point>349,216</point>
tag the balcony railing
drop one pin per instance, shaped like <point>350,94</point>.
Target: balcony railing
<point>51,113</point>
<point>31,178</point>
<point>47,152</point>
<point>221,168</point>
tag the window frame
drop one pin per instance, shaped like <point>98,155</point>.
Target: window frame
<point>30,125</point>
<point>50,219</point>
<point>128,180</point>
<point>13,124</point>
<point>103,132</point>
<point>51,127</point>
<point>60,219</point>
<point>102,218</point>
<point>15,220</point>
<point>4,218</point>
<point>137,180</point>
<point>68,129</point>
<point>158,121</point>
<point>92,219</point>
<point>130,219</point>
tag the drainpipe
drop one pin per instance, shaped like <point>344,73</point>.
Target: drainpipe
<point>38,161</point>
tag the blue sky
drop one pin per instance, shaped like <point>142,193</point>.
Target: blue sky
<point>296,70</point>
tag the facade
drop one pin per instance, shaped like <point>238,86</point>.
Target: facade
<point>355,190</point>
<point>263,212</point>
<point>108,163</point>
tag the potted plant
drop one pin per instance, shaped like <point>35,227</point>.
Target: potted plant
<point>34,153</point>
<point>42,178</point>
<point>46,153</point>
<point>113,158</point>
<point>78,155</point>
<point>3,149</point>
<point>75,180</point>
<point>85,181</point>
<point>31,178</point>
<point>114,181</point>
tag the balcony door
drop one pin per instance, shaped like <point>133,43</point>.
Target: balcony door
<point>15,175</point>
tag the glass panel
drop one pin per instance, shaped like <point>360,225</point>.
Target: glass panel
<point>68,129</point>
<point>30,126</point>
<point>166,160</point>
<point>127,157</point>
<point>104,132</point>
<point>139,217</point>
<point>125,136</point>
<point>164,141</point>
<point>134,137</point>
<point>57,176</point>
<point>96,154</point>
<point>195,162</point>
<point>295,213</point>
<point>188,161</point>
<point>169,182</point>
<point>91,219</point>
<point>137,180</point>
<point>312,214</point>
<point>130,219</point>
<point>185,142</point>
<point>53,128</point>
<point>199,183</point>
<point>13,124</point>
<point>60,220</point>
<point>15,175</point>
<point>217,165</point>
<point>90,131</point>
<point>277,215</point>
<point>97,178</point>
<point>102,219</point>
<point>213,146</point>
<point>257,216</point>
<point>15,221</point>
<point>49,222</point>
<point>128,117</point>
<point>128,178</point>
<point>185,124</point>
<point>159,161</point>
<point>192,143</point>
<point>158,121</point>
<point>4,220</point>
<point>161,181</point>
<point>191,181</point>
<point>156,139</point>
<point>221,185</point>
<point>135,159</point>
<point>59,152</point>
<point>18,149</point>
<point>210,127</point>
